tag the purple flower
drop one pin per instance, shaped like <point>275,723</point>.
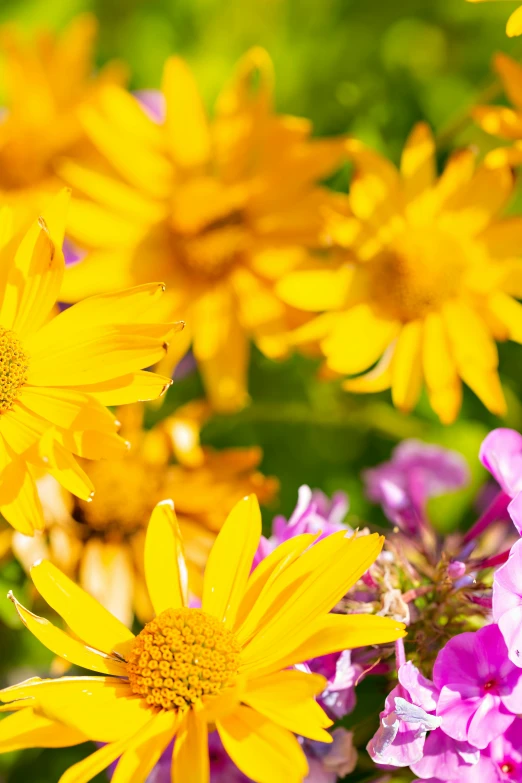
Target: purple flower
<point>445,757</point>
<point>405,720</point>
<point>314,513</point>
<point>507,602</point>
<point>480,689</point>
<point>338,698</point>
<point>501,454</point>
<point>416,472</point>
<point>505,754</point>
<point>328,762</point>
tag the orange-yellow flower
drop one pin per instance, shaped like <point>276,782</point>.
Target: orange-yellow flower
<point>503,121</point>
<point>221,208</point>
<point>46,80</point>
<point>514,24</point>
<point>430,282</point>
<point>58,374</point>
<point>226,666</point>
<point>100,543</point>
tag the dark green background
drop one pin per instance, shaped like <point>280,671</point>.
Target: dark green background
<point>369,67</point>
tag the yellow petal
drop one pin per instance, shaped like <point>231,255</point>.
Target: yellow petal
<point>286,698</point>
<point>190,759</point>
<point>21,428</point>
<point>230,560</point>
<point>511,74</point>
<point>262,750</point>
<point>514,25</point>
<point>107,572</point>
<point>378,379</point>
<point>407,367</point>
<point>473,205</point>
<point>486,385</point>
<point>337,632</point>
<point>165,568</point>
<point>135,387</point>
<point>509,312</point>
<point>86,769</point>
<point>61,464</point>
<point>469,336</point>
<point>96,354</point>
<point>19,500</point>
<point>418,161</point>
<point>345,351</point>
<point>317,580</point>
<point>316,289</point>
<point>444,387</point>
<point>499,121</point>
<point>101,708</point>
<point>92,444</point>
<point>69,409</point>
<point>186,123</point>
<point>60,643</point>
<point>29,729</point>
<point>82,613</point>
<point>35,277</point>
<point>225,374</point>
<point>146,747</point>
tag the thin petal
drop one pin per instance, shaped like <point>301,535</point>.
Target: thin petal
<point>230,560</point>
<point>165,568</point>
<point>262,750</point>
<point>407,367</point>
<point>316,289</point>
<point>346,352</point>
<point>190,759</point>
<point>135,387</point>
<point>19,500</point>
<point>514,25</point>
<point>186,123</point>
<point>28,729</point>
<point>107,573</point>
<point>511,74</point>
<point>86,769</point>
<point>82,613</point>
<point>146,748</point>
<point>69,408</point>
<point>418,161</point>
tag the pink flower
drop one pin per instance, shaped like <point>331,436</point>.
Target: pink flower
<point>329,762</point>
<point>480,689</point>
<point>507,602</point>
<point>338,698</point>
<point>501,454</point>
<point>416,472</point>
<point>405,720</point>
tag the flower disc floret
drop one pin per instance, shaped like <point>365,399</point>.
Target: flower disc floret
<point>182,655</point>
<point>13,369</point>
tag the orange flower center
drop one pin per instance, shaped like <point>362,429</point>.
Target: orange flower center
<point>13,369</point>
<point>182,655</point>
<point>416,274</point>
<point>126,491</point>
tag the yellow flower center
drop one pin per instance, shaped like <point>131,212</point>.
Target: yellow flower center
<point>416,275</point>
<point>126,491</point>
<point>182,655</point>
<point>13,369</point>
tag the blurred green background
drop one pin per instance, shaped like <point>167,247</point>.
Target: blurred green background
<point>368,67</point>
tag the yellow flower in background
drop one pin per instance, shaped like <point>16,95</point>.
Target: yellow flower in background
<point>430,282</point>
<point>224,666</point>
<point>514,24</point>
<point>221,209</point>
<point>45,80</point>
<point>100,542</point>
<point>57,375</point>
<point>503,121</point>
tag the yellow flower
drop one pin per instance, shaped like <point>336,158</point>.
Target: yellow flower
<point>223,666</point>
<point>221,208</point>
<point>58,374</point>
<point>514,24</point>
<point>430,283</point>
<point>501,120</point>
<point>46,81</point>
<point>100,543</point>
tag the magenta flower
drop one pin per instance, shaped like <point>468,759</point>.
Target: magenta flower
<point>445,757</point>
<point>416,472</point>
<point>338,698</point>
<point>480,688</point>
<point>313,513</point>
<point>327,763</point>
<point>501,454</point>
<point>405,720</point>
<point>507,602</point>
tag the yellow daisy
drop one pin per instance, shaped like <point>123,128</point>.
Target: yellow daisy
<point>430,281</point>
<point>503,121</point>
<point>100,543</point>
<point>45,81</point>
<point>58,374</point>
<point>514,24</point>
<point>221,208</point>
<point>226,666</point>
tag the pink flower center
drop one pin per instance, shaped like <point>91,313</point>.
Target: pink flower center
<point>489,686</point>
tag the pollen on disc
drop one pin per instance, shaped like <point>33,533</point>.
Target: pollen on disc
<point>182,655</point>
<point>13,369</point>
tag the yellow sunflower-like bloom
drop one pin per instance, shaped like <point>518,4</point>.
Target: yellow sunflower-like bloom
<point>503,121</point>
<point>58,374</point>
<point>100,543</point>
<point>514,24</point>
<point>225,666</point>
<point>221,208</point>
<point>45,81</point>
<point>430,283</point>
